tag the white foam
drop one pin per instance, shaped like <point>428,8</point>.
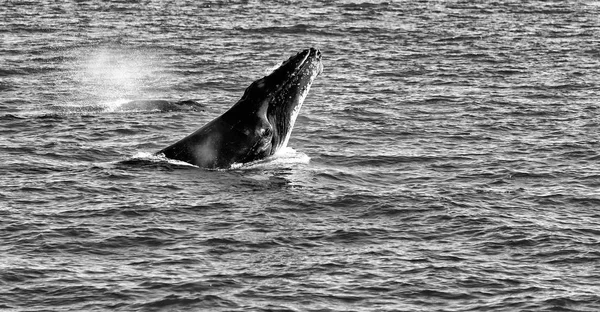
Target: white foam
<point>285,157</point>
<point>159,158</point>
<point>289,154</point>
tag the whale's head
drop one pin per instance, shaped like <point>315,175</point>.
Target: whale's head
<point>273,103</point>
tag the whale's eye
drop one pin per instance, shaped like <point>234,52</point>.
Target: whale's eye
<point>265,131</point>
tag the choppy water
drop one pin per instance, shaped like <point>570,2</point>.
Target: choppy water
<point>445,160</point>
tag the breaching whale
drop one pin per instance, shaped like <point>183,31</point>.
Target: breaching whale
<point>259,124</point>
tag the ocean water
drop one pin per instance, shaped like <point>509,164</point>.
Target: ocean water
<point>447,159</point>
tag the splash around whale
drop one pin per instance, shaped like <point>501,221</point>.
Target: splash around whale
<point>259,124</point>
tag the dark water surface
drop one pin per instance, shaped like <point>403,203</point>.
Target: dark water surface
<point>445,160</point>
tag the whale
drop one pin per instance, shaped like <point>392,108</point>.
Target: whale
<point>259,124</point>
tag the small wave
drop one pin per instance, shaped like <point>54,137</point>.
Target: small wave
<point>177,302</point>
<point>294,29</point>
<point>113,107</point>
<point>11,117</point>
<point>128,106</point>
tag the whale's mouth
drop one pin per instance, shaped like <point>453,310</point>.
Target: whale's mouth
<point>292,81</point>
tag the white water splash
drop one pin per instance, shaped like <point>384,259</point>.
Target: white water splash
<point>285,157</point>
<point>113,106</point>
<point>112,76</point>
<point>290,156</point>
<point>159,158</point>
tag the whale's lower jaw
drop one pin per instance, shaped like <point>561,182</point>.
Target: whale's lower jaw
<point>283,114</point>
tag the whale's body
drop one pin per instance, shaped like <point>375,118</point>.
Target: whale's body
<point>259,124</point>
